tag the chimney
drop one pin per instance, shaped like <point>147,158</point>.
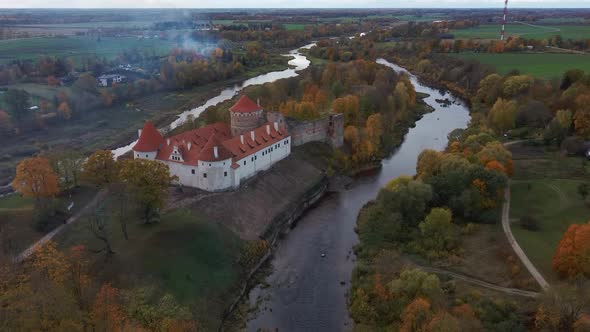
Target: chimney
<point>138,132</point>
<point>276,126</point>
<point>268,129</point>
<point>188,146</point>
<point>242,139</point>
<point>252,135</point>
<point>215,152</point>
<point>167,141</point>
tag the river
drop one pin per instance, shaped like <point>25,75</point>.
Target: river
<point>299,62</point>
<point>312,265</point>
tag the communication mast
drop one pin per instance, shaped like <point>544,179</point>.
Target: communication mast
<point>503,32</point>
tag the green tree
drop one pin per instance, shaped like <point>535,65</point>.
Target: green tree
<point>489,89</point>
<point>101,169</point>
<point>149,182</point>
<point>517,85</point>
<point>17,104</point>
<point>503,114</point>
<point>439,236</point>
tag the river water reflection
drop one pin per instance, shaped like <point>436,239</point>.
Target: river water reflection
<point>307,290</point>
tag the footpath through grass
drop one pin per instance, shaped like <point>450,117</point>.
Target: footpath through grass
<point>542,65</point>
<point>545,187</point>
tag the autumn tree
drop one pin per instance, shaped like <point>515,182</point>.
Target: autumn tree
<point>503,114</point>
<point>516,85</point>
<point>572,257</point>
<point>6,128</point>
<point>107,312</point>
<point>416,316</point>
<point>489,89</point>
<point>562,306</point>
<point>582,123</point>
<point>564,118</point>
<point>439,236</point>
<point>86,83</point>
<point>35,178</point>
<point>101,169</point>
<point>374,129</point>
<point>64,110</point>
<point>428,163</point>
<point>148,181</point>
<point>349,106</point>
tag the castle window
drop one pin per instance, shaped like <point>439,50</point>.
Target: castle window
<point>146,155</point>
<point>252,159</point>
<point>204,175</point>
<point>192,171</point>
<point>244,162</point>
<point>224,173</point>
<point>209,165</point>
<point>255,157</point>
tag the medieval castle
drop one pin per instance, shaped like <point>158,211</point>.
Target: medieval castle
<point>219,157</point>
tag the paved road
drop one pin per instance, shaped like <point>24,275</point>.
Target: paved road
<point>517,249</point>
<point>479,282</point>
<point>30,250</point>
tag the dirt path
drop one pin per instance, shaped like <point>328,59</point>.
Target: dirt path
<point>30,250</point>
<point>517,249</point>
<point>548,29</point>
<point>479,282</point>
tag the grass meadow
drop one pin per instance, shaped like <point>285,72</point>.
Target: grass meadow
<point>542,65</point>
<point>545,186</point>
<point>492,31</point>
<point>78,47</point>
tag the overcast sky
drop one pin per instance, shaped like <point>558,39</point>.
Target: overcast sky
<point>291,4</point>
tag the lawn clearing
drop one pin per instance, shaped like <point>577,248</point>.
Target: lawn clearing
<point>294,26</point>
<point>542,65</point>
<point>183,255</point>
<point>545,186</point>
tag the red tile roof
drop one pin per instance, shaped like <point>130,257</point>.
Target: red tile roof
<point>245,105</point>
<point>198,144</point>
<point>149,140</point>
<point>197,138</point>
<point>208,152</point>
<point>262,140</point>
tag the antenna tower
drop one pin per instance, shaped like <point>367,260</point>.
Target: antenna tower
<point>503,32</point>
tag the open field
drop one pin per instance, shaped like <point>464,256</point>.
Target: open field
<point>79,47</point>
<point>492,31</point>
<point>294,26</point>
<point>543,65</point>
<point>182,255</point>
<point>545,186</point>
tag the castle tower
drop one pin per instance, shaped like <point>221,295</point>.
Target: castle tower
<point>149,142</point>
<point>245,116</point>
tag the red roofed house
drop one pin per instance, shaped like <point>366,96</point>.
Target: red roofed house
<point>218,157</point>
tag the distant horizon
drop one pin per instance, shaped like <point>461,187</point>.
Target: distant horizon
<point>284,4</point>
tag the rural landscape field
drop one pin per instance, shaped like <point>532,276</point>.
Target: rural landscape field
<point>294,169</point>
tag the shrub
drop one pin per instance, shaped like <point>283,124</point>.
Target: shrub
<point>529,223</point>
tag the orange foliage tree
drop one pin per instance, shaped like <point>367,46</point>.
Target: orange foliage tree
<point>35,178</point>
<point>572,257</point>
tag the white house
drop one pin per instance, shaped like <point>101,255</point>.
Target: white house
<point>210,158</point>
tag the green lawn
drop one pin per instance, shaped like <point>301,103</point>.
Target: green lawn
<point>78,47</point>
<point>294,26</point>
<point>545,186</point>
<point>191,259</point>
<point>15,202</point>
<point>543,65</point>
<point>556,204</point>
<point>492,31</point>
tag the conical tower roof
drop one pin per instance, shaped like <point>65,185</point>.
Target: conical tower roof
<point>149,140</point>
